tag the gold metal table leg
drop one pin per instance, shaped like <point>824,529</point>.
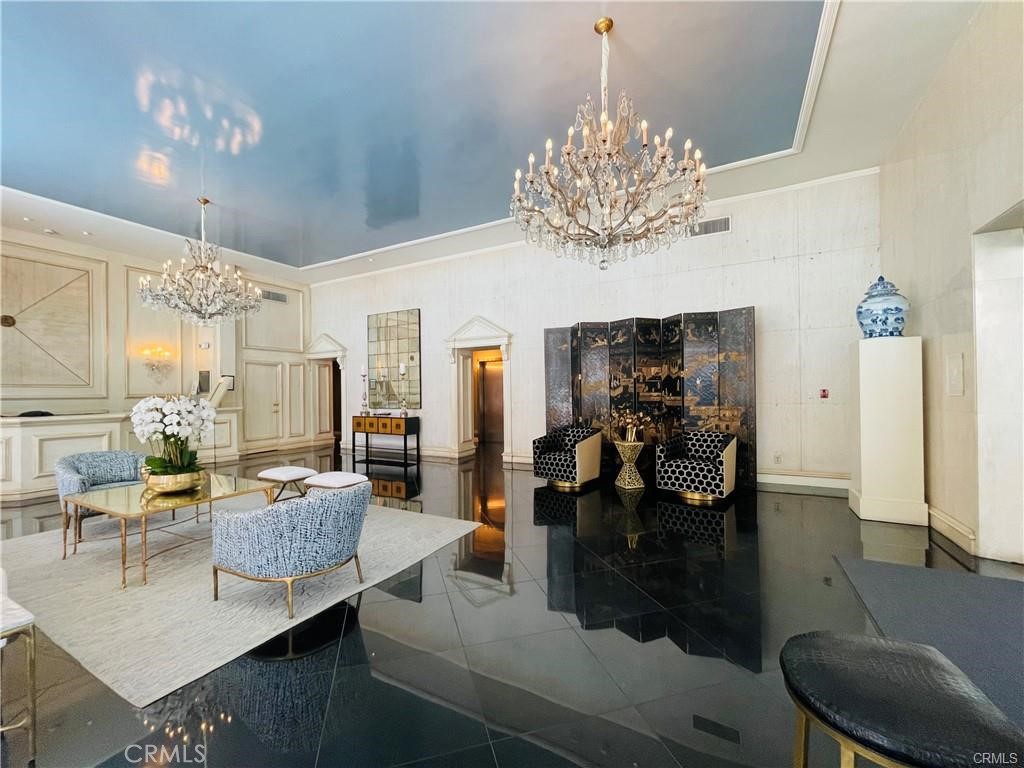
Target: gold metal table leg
<point>78,529</point>
<point>124,552</point>
<point>30,647</point>
<point>145,550</point>
<point>269,492</point>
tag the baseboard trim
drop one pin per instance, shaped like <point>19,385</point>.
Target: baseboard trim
<point>818,484</point>
<point>900,511</point>
<point>953,529</point>
<point>803,490</point>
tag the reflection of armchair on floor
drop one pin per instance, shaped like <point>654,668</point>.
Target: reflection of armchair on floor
<point>293,539</point>
<point>567,457</point>
<point>699,466</point>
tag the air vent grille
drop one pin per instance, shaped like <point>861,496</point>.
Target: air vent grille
<point>714,226</point>
<point>276,296</point>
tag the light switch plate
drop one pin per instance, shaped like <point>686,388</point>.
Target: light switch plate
<point>955,375</point>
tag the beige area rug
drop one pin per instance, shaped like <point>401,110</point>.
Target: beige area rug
<point>147,641</point>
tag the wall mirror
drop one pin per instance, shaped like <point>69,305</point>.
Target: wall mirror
<point>393,341</point>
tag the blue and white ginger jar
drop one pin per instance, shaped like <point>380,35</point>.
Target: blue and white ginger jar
<point>882,311</point>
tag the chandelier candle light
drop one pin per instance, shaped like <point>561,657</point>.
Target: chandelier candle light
<point>607,203</point>
<point>199,292</point>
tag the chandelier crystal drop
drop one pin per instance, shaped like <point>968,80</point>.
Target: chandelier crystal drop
<point>607,203</point>
<point>199,291</point>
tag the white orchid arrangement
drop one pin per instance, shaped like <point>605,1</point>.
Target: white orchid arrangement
<point>172,426</point>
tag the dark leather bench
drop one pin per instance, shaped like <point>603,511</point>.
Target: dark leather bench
<point>897,704</point>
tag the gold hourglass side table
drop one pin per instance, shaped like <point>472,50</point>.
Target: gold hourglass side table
<point>629,451</point>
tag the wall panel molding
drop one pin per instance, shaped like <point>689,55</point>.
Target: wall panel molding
<point>80,442</point>
<point>138,382</point>
<point>282,324</point>
<point>54,339</point>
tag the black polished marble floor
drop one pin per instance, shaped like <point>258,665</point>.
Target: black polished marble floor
<point>601,629</point>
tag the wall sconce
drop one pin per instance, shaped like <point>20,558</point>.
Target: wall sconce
<point>157,361</point>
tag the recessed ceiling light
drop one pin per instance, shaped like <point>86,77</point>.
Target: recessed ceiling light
<point>49,231</point>
<point>86,232</point>
<point>371,258</point>
<point>26,218</point>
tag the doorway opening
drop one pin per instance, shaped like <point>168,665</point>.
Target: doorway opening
<point>336,402</point>
<point>488,397</point>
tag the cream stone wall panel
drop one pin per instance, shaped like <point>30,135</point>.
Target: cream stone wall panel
<point>956,164</point>
<point>525,290</point>
<point>55,343</point>
<point>277,327</point>
<point>146,328</point>
<point>26,362</point>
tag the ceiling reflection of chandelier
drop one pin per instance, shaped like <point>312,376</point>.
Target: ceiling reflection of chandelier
<point>607,203</point>
<point>199,291</point>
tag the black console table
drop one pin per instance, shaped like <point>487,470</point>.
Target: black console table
<point>405,426</point>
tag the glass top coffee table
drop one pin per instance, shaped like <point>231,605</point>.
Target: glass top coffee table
<point>137,502</point>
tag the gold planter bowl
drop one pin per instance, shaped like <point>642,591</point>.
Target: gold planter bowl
<point>173,483</point>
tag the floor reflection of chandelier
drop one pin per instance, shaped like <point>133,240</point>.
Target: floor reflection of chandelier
<point>606,203</point>
<point>199,291</point>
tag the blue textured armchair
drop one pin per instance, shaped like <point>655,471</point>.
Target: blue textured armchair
<point>293,539</point>
<point>81,472</point>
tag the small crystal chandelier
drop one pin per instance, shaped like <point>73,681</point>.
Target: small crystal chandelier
<point>199,291</point>
<point>607,203</point>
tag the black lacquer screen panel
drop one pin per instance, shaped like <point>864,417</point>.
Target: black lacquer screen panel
<point>594,376</point>
<point>737,400</point>
<point>557,378</point>
<point>694,371</point>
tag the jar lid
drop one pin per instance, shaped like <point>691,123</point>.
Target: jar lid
<point>881,287</point>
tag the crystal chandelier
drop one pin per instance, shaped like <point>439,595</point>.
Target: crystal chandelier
<point>607,203</point>
<point>199,291</point>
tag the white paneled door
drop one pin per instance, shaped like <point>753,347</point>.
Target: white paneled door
<point>262,392</point>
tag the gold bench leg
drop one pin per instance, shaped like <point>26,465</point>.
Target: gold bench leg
<point>359,568</point>
<point>291,607</point>
<point>846,756</point>
<point>800,740</point>
<point>215,584</point>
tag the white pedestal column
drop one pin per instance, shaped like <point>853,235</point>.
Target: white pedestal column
<point>887,429</point>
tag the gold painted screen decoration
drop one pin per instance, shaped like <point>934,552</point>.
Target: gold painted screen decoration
<point>393,342</point>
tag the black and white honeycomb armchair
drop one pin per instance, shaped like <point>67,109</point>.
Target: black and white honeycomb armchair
<point>568,457</point>
<point>699,466</point>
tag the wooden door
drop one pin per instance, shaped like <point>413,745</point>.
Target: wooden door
<point>262,393</point>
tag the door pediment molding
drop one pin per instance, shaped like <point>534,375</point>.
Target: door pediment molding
<point>479,332</point>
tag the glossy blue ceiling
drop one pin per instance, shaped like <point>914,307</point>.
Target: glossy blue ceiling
<point>321,130</point>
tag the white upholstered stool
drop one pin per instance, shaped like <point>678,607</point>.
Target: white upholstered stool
<point>286,475</point>
<point>335,480</point>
